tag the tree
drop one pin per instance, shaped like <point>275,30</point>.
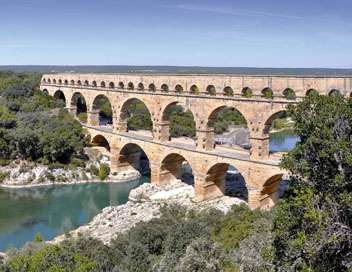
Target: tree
<point>313,225</point>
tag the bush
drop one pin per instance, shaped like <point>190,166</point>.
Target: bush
<point>104,171</point>
<point>3,176</point>
<point>94,170</point>
<point>82,117</point>
<point>56,165</point>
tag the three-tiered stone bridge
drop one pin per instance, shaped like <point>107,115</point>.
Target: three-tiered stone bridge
<point>258,98</point>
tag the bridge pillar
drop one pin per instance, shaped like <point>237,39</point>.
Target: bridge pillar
<point>209,187</point>
<point>122,126</point>
<point>162,132</point>
<point>260,148</point>
<point>205,139</point>
<point>72,110</point>
<point>114,159</point>
<point>254,196</point>
<point>93,118</point>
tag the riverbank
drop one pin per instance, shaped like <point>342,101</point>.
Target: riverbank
<point>145,203</point>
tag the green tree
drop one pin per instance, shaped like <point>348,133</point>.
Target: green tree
<point>313,225</point>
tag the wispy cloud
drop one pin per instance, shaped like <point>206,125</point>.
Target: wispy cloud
<point>235,11</point>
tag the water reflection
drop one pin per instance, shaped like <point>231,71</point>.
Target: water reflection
<point>283,141</point>
<point>54,210</point>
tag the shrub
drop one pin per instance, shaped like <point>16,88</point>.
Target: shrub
<point>3,176</point>
<point>104,171</point>
<point>56,165</point>
<point>94,170</point>
<point>82,117</point>
<point>247,92</point>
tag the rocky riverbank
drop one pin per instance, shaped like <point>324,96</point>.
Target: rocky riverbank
<point>144,204</point>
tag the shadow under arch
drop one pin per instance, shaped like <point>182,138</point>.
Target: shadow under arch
<point>102,106</point>
<point>101,141</point>
<point>46,92</point>
<point>135,115</point>
<point>79,103</point>
<point>132,156</point>
<point>59,95</point>
<point>270,192</point>
<point>176,167</point>
<point>225,179</point>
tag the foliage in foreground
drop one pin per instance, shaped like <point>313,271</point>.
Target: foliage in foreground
<point>177,241</point>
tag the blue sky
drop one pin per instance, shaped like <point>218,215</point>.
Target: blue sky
<point>252,33</point>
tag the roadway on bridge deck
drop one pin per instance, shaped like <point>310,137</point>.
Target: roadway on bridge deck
<point>234,152</point>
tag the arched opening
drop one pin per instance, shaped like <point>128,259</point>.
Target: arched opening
<point>49,81</point>
<point>289,94</point>
<point>152,87</point>
<point>45,91</point>
<point>133,157</point>
<point>112,85</point>
<point>94,83</point>
<point>280,129</point>
<point>79,103</point>
<point>335,92</point>
<point>268,93</point>
<point>135,116</point>
<point>230,129</point>
<point>72,82</point>
<point>178,124</point>
<point>66,82</point>
<point>141,86</point>
<point>60,81</point>
<point>44,80</point>
<point>130,86</point>
<point>54,81</point>
<point>164,88</point>
<point>103,107</point>
<point>225,179</point>
<point>211,90</point>
<point>175,167</point>
<point>228,91</point>
<point>270,192</point>
<point>312,92</point>
<point>247,92</point>
<point>178,88</point>
<point>60,96</point>
<point>102,84</point>
<point>79,83</point>
<point>194,89</point>
<point>121,85</point>
<point>86,83</point>
<point>101,141</point>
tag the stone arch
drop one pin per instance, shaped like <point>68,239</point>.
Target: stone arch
<point>269,194</point>
<point>60,81</point>
<point>268,93</point>
<point>126,114</point>
<point>100,140</point>
<point>152,87</point>
<point>130,86</point>
<point>247,92</point>
<point>228,91</point>
<point>54,81</point>
<point>289,94</point>
<point>46,92</point>
<point>66,82</point>
<point>133,157</point>
<point>102,113</point>
<point>194,89</point>
<point>59,95</point>
<point>44,80</point>
<point>178,88</point>
<point>86,83</point>
<point>102,84</point>
<point>94,84</point>
<point>49,81</point>
<point>78,103</point>
<point>312,92</point>
<point>72,82</point>
<point>211,90</point>
<point>224,179</point>
<point>174,166</point>
<point>112,85</point>
<point>141,86</point>
<point>335,92</point>
<point>121,85</point>
<point>79,83</point>
<point>165,88</point>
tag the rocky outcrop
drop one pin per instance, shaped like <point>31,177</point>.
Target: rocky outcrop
<point>144,204</point>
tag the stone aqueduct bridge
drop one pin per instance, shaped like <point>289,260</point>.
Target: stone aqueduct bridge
<point>205,96</point>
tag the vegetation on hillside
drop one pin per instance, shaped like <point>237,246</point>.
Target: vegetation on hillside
<point>33,126</point>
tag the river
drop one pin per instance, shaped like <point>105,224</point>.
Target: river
<point>54,210</point>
